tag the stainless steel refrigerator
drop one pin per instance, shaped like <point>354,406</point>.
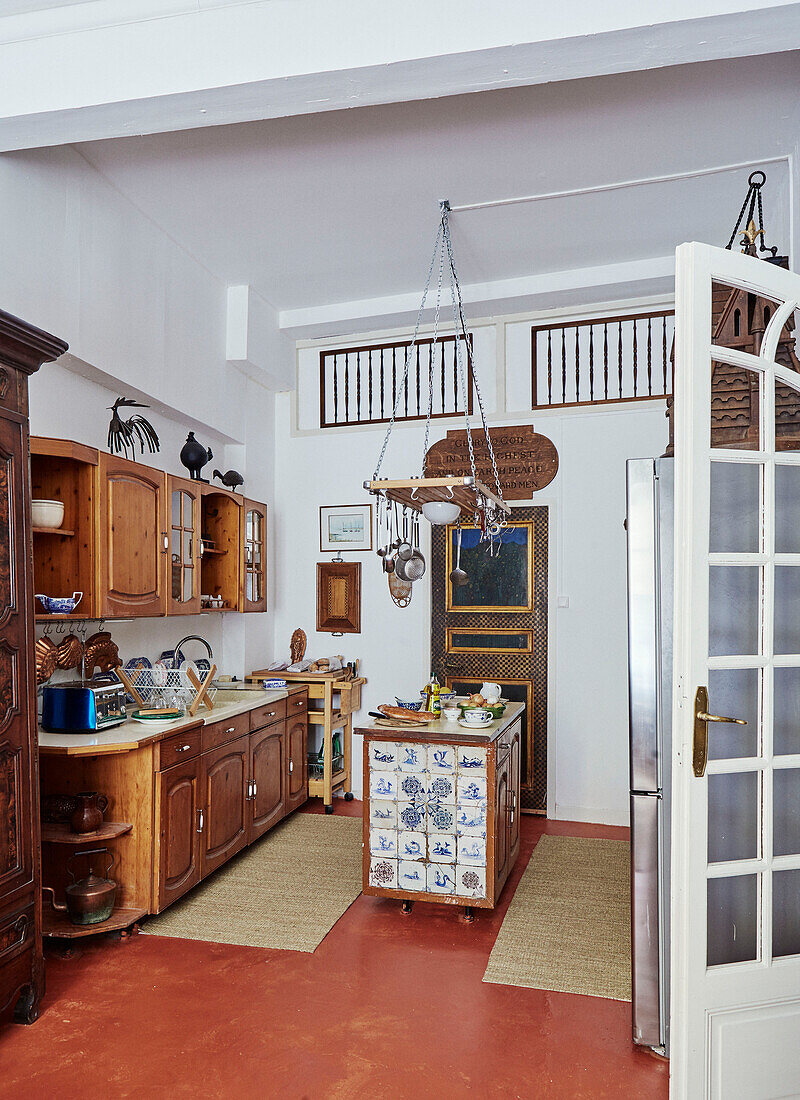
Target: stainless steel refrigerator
<point>649,524</point>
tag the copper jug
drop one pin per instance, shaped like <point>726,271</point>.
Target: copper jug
<point>91,899</point>
<point>88,816</point>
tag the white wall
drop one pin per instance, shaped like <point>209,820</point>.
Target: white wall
<point>588,726</point>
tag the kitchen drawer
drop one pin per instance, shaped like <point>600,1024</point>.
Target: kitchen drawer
<point>505,739</point>
<point>225,730</point>
<point>296,703</point>
<point>269,713</point>
<point>16,932</point>
<point>181,746</point>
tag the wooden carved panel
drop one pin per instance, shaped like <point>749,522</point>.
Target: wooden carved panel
<point>339,597</point>
<point>9,681</point>
<point>7,558</point>
<point>10,810</point>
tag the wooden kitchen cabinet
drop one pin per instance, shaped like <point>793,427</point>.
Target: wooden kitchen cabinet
<point>183,559</point>
<point>132,539</point>
<point>254,557</point>
<point>221,531</point>
<point>23,349</point>
<point>297,760</point>
<point>268,776</point>
<point>501,830</point>
<point>178,808</point>
<point>224,824</point>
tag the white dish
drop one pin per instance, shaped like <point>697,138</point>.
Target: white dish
<point>474,725</point>
<point>47,513</point>
<point>155,724</point>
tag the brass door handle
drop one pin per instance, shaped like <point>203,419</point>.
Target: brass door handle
<point>701,720</point>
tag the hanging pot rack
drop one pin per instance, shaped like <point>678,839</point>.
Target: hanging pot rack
<point>468,492</point>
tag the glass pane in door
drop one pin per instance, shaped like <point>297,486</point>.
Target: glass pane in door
<point>188,584</point>
<point>188,508</point>
<point>733,814</point>
<point>176,508</point>
<point>787,609</point>
<point>786,812</point>
<point>786,913</point>
<point>733,610</point>
<point>786,712</point>
<point>787,509</point>
<point>735,512</point>
<point>732,916</point>
<point>733,692</point>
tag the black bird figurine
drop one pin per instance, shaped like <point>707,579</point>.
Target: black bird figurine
<point>124,434</point>
<point>231,480</point>
<point>194,456</point>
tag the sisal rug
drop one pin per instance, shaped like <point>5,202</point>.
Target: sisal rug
<point>568,925</point>
<point>286,891</point>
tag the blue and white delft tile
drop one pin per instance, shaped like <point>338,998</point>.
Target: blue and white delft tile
<point>412,845</point>
<point>441,759</point>
<point>411,788</point>
<point>471,820</point>
<point>383,872</point>
<point>383,842</point>
<point>383,785</point>
<point>441,818</point>
<point>383,755</point>
<point>472,851</point>
<point>411,876</point>
<point>442,788</point>
<point>411,816</point>
<point>471,761</point>
<point>441,878</point>
<point>471,788</point>
<point>383,814</point>
<point>412,757</point>
<point>442,847</point>
<point>471,882</point>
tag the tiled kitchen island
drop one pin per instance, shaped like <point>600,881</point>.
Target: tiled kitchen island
<point>441,810</point>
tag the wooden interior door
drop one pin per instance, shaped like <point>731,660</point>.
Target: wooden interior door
<point>268,771</point>
<point>254,563</point>
<point>225,777</point>
<point>133,539</point>
<point>177,794</point>
<point>495,629</point>
<point>183,559</point>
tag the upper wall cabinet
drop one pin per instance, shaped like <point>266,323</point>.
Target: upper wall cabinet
<point>183,581</point>
<point>254,557</point>
<point>222,527</point>
<point>133,541</point>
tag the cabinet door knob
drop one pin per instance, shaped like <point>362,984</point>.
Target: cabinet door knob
<point>255,789</point>
<point>165,537</point>
<point>200,822</point>
<point>291,766</point>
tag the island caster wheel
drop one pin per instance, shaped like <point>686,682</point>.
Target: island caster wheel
<point>27,1007</point>
<point>405,907</point>
<point>349,796</point>
<point>469,914</point>
<point>329,809</point>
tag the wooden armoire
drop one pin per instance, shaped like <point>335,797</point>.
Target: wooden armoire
<point>23,349</point>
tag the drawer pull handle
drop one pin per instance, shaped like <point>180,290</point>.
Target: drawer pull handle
<point>231,729</point>
<point>200,822</point>
<point>255,789</point>
<point>182,748</point>
<point>291,766</point>
<point>270,714</point>
<point>21,928</point>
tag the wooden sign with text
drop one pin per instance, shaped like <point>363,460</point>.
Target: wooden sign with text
<point>526,461</point>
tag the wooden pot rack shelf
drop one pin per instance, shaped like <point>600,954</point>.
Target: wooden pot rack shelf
<point>63,834</point>
<point>413,492</point>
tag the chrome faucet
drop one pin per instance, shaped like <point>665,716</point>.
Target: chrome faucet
<point>195,638</point>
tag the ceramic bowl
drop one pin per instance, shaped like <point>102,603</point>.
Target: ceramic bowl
<point>60,605</point>
<point>444,696</point>
<point>451,713</point>
<point>47,513</point>
<point>408,704</point>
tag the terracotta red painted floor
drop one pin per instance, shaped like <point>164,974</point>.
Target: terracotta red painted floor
<point>387,1006</point>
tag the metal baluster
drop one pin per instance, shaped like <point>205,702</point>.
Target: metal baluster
<point>455,375</point>
<point>370,383</point>
<point>591,362</point>
<point>619,358</point>
<point>430,377</point>
<point>417,379</point>
<point>577,363</point>
<point>634,358</point>
<point>649,361</point>
<point>664,351</point>
<point>382,381</point>
<point>605,358</point>
<point>563,366</point>
<point>335,390</point>
<point>358,385</point>
<point>346,388</point>
<point>549,367</point>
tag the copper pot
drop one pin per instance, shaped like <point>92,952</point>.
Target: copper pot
<point>88,815</point>
<point>91,899</point>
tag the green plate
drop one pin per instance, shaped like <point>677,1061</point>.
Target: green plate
<point>497,709</point>
<point>162,716</point>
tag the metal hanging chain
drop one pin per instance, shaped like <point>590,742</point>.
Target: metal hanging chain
<point>752,197</point>
<point>459,359</point>
<point>460,323</point>
<point>409,349</point>
<point>440,234</point>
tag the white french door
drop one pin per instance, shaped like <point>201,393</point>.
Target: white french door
<point>736,818</point>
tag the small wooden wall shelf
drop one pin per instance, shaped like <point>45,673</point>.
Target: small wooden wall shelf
<point>52,531</point>
<point>413,492</point>
<point>59,925</point>
<point>63,834</point>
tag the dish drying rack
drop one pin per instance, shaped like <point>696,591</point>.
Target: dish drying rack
<point>157,688</point>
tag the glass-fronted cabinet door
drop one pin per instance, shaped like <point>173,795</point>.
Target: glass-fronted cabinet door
<point>254,554</point>
<point>183,560</point>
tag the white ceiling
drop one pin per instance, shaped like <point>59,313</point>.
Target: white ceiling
<point>331,208</point>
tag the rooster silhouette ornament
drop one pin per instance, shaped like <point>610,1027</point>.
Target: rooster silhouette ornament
<point>124,434</point>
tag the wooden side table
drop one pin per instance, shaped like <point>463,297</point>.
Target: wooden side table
<point>340,698</point>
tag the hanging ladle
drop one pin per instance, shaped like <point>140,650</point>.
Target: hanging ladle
<point>458,577</point>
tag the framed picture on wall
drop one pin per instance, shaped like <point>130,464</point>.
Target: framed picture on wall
<point>345,527</point>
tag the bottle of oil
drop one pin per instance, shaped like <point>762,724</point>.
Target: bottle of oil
<point>436,705</point>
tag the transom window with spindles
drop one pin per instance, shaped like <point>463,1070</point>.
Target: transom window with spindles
<point>602,360</point>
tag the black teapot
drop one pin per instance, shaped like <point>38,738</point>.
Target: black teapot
<point>194,456</point>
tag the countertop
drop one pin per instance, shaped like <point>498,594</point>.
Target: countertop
<point>130,735</point>
<point>445,730</point>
